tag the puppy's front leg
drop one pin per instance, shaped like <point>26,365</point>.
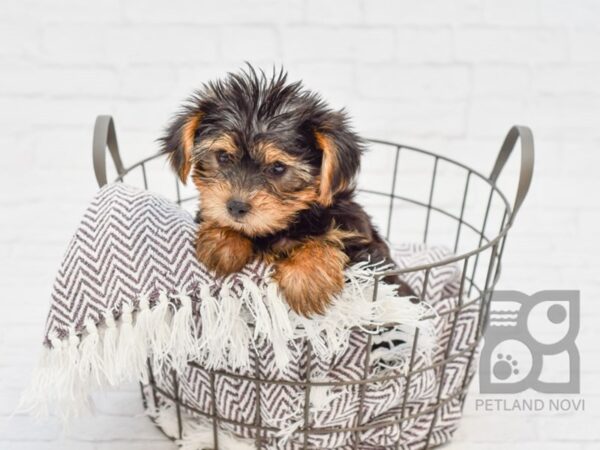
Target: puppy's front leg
<point>222,249</point>
<point>310,275</point>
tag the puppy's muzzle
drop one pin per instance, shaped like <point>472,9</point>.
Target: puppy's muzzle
<point>237,209</point>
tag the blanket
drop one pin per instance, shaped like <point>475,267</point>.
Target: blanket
<point>130,295</point>
<point>333,408</point>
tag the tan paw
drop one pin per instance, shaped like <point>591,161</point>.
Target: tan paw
<point>311,276</point>
<point>222,250</point>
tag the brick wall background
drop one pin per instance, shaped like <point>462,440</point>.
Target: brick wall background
<point>448,75</point>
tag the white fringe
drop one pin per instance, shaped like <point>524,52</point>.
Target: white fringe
<point>160,333</point>
<point>117,351</point>
<point>183,333</point>
<point>109,350</point>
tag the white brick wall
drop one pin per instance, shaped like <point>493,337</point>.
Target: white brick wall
<point>450,75</point>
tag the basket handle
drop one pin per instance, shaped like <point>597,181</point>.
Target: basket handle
<point>105,136</point>
<point>527,159</point>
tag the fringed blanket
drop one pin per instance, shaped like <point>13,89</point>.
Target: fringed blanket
<point>335,409</point>
<point>130,290</point>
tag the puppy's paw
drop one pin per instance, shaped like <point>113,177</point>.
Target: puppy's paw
<point>222,250</point>
<point>311,276</point>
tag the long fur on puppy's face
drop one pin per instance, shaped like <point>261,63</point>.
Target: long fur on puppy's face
<point>267,143</point>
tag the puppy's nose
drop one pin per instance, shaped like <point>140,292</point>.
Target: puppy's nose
<point>237,208</point>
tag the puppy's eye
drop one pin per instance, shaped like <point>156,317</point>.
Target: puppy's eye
<point>277,169</point>
<point>223,157</point>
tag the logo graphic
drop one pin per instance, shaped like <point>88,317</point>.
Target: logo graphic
<point>530,343</point>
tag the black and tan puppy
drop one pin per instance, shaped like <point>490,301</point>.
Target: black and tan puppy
<point>275,169</point>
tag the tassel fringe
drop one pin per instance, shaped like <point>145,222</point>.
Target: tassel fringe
<point>222,336</point>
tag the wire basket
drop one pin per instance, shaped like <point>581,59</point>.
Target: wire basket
<point>455,206</point>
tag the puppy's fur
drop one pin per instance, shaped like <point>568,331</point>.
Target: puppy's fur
<point>275,169</point>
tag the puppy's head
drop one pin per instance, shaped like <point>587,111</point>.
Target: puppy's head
<point>260,150</point>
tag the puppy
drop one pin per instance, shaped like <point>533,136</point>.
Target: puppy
<point>275,170</point>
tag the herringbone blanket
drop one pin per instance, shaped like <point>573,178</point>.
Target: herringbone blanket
<point>336,409</point>
<point>130,289</point>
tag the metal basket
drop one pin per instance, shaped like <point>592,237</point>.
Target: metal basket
<point>478,244</point>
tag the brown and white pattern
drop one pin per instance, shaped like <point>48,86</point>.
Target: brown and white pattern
<point>130,288</point>
<point>281,406</point>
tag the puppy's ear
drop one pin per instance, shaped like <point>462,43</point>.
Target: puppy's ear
<point>341,149</point>
<point>178,142</point>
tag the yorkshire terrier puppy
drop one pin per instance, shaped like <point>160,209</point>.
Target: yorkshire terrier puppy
<point>275,170</point>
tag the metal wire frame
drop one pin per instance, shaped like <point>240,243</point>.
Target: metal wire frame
<point>475,277</point>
